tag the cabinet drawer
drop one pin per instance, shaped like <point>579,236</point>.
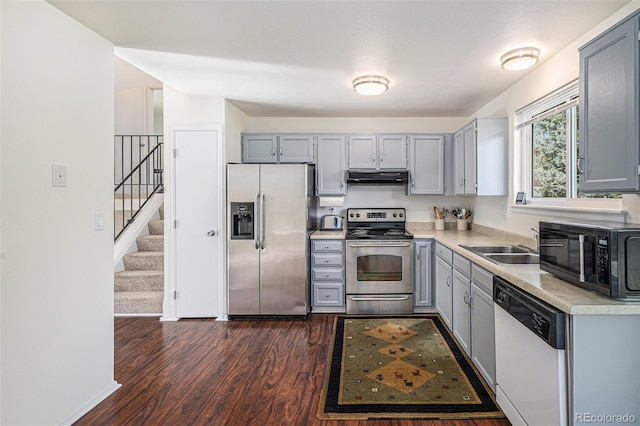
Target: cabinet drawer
<point>482,278</point>
<point>444,253</point>
<point>326,259</point>
<point>333,274</point>
<point>326,245</point>
<point>328,295</point>
<point>462,264</point>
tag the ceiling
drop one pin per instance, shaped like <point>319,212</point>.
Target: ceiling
<point>298,58</point>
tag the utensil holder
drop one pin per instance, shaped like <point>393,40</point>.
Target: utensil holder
<point>439,225</point>
<point>461,224</point>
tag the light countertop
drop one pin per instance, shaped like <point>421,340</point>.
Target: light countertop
<point>530,278</point>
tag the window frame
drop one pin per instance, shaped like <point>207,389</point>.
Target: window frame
<point>563,99</point>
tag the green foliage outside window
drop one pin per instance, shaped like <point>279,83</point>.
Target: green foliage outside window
<point>550,157</point>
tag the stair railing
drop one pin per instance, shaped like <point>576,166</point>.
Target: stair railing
<point>138,175</point>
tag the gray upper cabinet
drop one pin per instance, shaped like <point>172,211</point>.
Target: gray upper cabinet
<point>610,110</point>
<point>259,148</point>
<point>278,148</point>
<point>426,163</point>
<point>482,157</point>
<point>330,170</point>
<point>294,148</point>
<point>377,152</point>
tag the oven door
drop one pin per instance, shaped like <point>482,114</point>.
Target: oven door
<point>379,267</point>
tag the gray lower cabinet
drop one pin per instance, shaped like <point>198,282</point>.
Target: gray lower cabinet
<point>483,348</point>
<point>327,276</point>
<point>444,283</point>
<point>278,148</point>
<point>427,163</point>
<point>423,276</point>
<point>473,321</point>
<point>331,165</point>
<point>609,157</point>
<point>481,151</point>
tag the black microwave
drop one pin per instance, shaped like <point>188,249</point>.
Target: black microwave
<point>600,256</point>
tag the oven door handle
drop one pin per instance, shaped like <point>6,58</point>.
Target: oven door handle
<point>378,298</point>
<point>378,245</point>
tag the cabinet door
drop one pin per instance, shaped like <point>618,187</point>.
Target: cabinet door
<point>330,169</point>
<point>427,164</point>
<point>483,349</point>
<point>461,316</point>
<point>423,273</point>
<point>458,146</point>
<point>392,152</point>
<point>363,152</point>
<point>259,149</point>
<point>609,109</point>
<point>470,159</point>
<point>296,149</point>
<point>444,283</point>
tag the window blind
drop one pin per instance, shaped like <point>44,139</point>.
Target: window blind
<point>551,104</point>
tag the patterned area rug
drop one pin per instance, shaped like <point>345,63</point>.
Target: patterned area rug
<point>401,367</point>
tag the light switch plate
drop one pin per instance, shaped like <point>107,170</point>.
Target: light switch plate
<point>58,175</point>
<point>99,221</point>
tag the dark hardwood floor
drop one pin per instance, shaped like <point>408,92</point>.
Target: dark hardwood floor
<point>203,372</point>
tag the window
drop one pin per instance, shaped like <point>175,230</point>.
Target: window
<point>548,130</point>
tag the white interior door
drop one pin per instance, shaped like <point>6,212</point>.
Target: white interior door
<point>198,214</point>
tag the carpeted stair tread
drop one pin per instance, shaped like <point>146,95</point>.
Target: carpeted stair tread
<point>144,261</point>
<point>150,243</point>
<point>156,227</point>
<point>161,211</point>
<point>138,302</point>
<point>139,281</point>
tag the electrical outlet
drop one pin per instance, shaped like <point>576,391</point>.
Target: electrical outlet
<point>58,175</point>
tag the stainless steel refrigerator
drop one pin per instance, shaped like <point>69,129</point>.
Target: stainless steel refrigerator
<point>271,211</point>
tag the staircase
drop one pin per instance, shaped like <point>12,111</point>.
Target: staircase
<point>139,289</point>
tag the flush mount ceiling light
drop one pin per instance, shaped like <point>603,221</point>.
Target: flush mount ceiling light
<point>370,85</point>
<point>520,59</point>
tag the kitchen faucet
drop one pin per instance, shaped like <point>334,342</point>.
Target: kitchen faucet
<point>536,235</point>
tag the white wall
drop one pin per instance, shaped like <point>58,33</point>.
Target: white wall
<point>134,111</point>
<point>556,72</point>
<point>57,272</point>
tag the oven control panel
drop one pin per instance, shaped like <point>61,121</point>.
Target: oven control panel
<point>376,215</point>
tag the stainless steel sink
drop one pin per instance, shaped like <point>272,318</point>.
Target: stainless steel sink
<point>498,248</point>
<point>514,258</point>
<point>505,254</point>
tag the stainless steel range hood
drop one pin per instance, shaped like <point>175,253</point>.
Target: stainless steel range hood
<point>387,177</point>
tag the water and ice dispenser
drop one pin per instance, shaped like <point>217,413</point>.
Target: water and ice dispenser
<point>242,220</point>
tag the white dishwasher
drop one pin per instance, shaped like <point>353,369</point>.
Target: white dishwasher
<point>531,366</point>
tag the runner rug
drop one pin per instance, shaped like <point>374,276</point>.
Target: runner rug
<point>401,367</point>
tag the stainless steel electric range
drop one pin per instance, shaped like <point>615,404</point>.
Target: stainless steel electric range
<point>379,270</point>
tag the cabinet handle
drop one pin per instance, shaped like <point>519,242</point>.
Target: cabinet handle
<point>466,298</point>
<point>413,183</point>
<point>373,158</point>
<point>273,151</point>
<point>381,157</point>
<point>448,281</point>
<point>281,151</point>
<point>470,301</point>
<point>327,275</point>
<point>580,164</point>
<point>328,295</point>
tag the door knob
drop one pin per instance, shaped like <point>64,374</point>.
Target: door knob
<point>211,233</point>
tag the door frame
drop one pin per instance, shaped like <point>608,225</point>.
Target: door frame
<point>170,270</point>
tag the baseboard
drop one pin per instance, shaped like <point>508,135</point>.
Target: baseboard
<point>137,315</point>
<point>168,319</point>
<point>76,415</point>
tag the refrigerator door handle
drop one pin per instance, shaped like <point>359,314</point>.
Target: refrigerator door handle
<point>262,220</point>
<point>256,238</point>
